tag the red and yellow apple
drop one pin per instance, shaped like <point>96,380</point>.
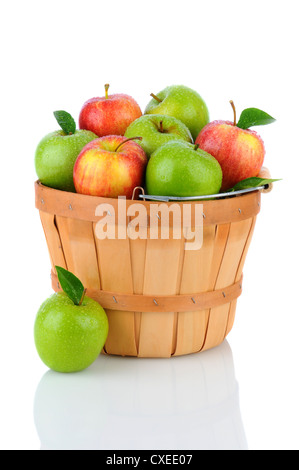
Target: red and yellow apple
<point>240,152</point>
<point>110,166</point>
<point>109,115</point>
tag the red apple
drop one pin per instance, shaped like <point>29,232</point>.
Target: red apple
<point>109,115</point>
<point>110,166</point>
<point>240,152</point>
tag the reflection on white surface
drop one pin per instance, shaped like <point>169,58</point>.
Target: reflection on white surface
<point>188,402</point>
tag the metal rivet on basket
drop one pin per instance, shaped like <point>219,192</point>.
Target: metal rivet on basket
<point>204,216</point>
<point>70,207</point>
<point>42,201</point>
<point>240,211</point>
<point>155,302</point>
<point>158,216</point>
<point>223,293</point>
<point>114,299</point>
<point>259,204</point>
<point>58,286</point>
<point>193,300</point>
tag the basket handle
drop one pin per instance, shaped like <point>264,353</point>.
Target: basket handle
<point>138,188</point>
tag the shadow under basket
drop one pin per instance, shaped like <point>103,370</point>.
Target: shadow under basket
<point>161,299</point>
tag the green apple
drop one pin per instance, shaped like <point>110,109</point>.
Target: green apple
<point>183,103</point>
<point>183,170</point>
<point>70,333</point>
<point>57,152</point>
<point>156,130</point>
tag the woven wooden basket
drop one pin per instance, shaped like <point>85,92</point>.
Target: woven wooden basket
<point>161,299</point>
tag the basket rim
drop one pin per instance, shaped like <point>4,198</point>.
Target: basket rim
<point>84,207</point>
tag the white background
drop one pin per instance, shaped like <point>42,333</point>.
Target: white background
<point>57,54</point>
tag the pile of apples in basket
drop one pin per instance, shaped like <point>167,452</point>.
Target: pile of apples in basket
<point>170,150</point>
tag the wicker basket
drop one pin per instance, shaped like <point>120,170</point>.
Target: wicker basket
<point>161,299</point>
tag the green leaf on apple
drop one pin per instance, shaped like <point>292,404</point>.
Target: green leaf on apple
<point>66,122</point>
<point>71,285</point>
<point>254,182</point>
<point>254,117</point>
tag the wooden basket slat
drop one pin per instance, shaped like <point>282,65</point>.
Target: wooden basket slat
<point>220,242</point>
<point>114,261</point>
<point>161,276</point>
<point>181,260</point>
<point>245,251</point>
<point>78,246</point>
<point>53,240</point>
<point>196,273</point>
<point>221,237</point>
<point>232,311</point>
<point>218,318</point>
<point>138,256</point>
<point>233,251</point>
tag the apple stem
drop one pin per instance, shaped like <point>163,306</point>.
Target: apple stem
<point>235,114</point>
<point>196,146</point>
<point>156,98</point>
<point>82,298</point>
<point>106,90</point>
<point>127,140</point>
<point>161,126</point>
